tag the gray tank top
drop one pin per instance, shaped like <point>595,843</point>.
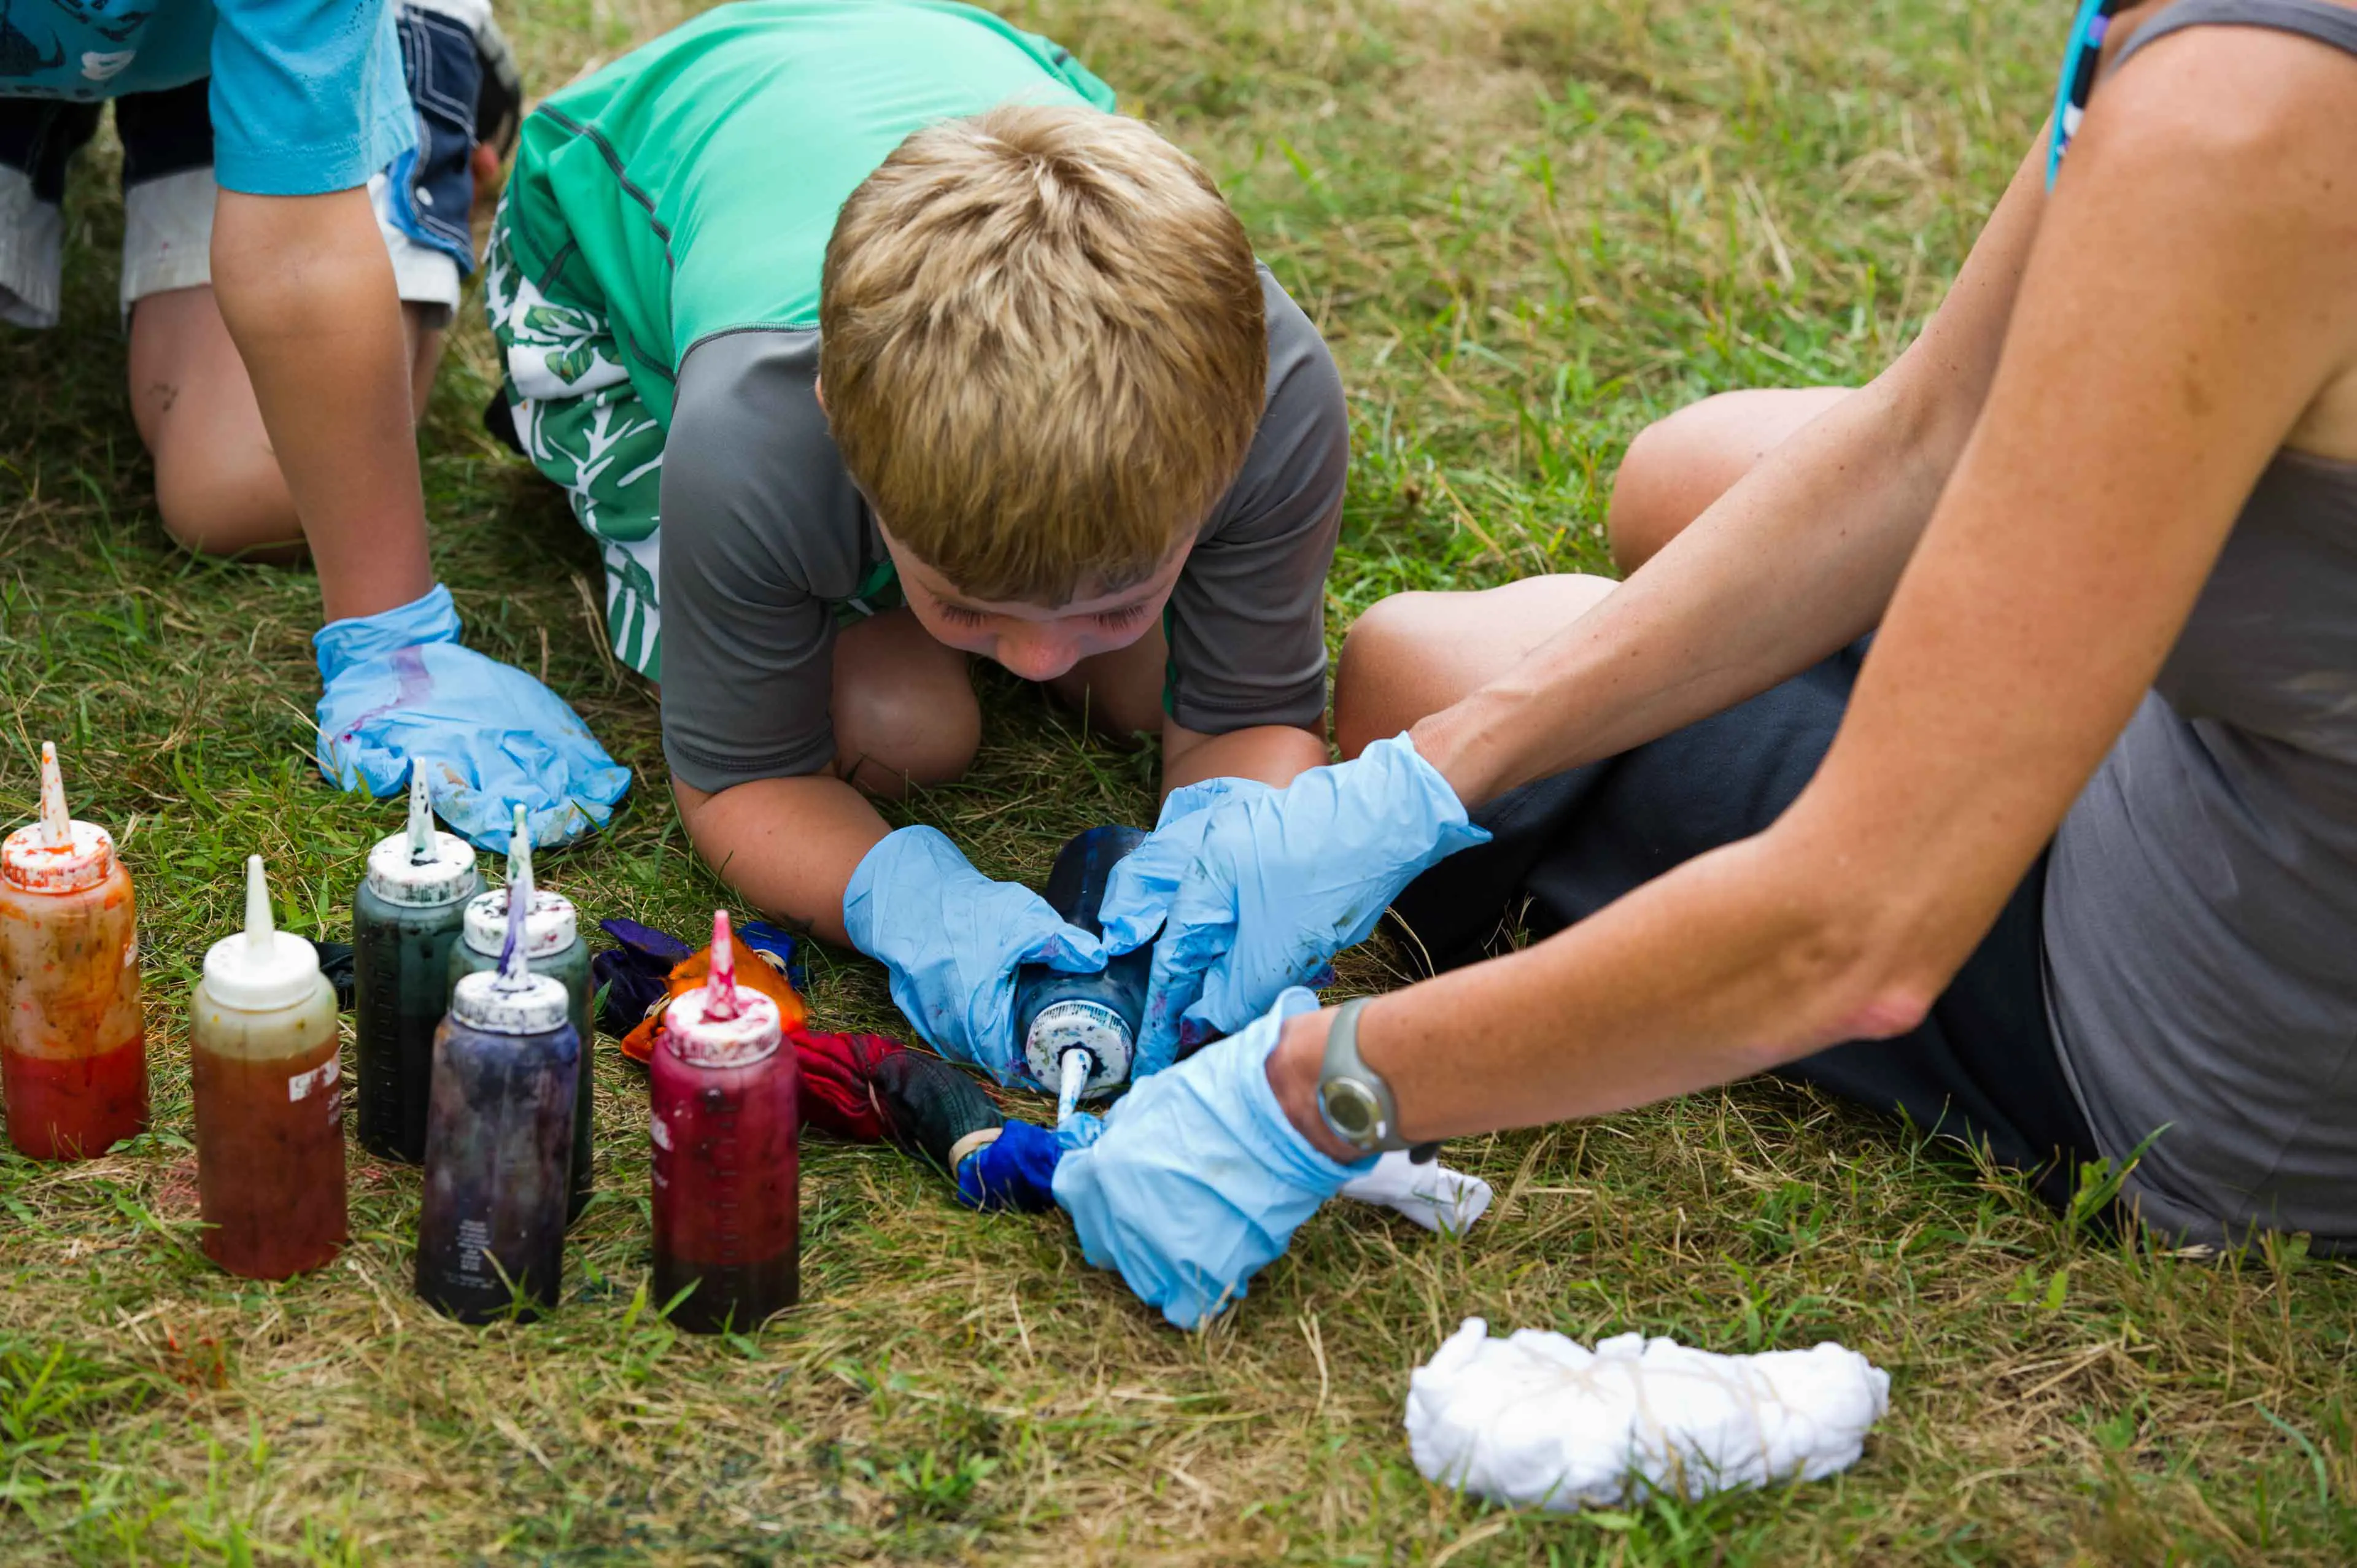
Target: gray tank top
<point>2201,897</point>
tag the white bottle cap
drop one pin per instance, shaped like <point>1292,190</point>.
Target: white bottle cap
<point>1075,1024</point>
<point>262,967</point>
<point>550,925</point>
<point>55,854</point>
<point>512,1000</point>
<point>420,866</point>
<point>724,1025</point>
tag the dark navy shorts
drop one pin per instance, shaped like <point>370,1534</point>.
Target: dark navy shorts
<point>1981,1066</point>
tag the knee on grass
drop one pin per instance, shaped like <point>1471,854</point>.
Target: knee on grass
<point>229,502</point>
<point>1380,674</point>
<point>888,738</point>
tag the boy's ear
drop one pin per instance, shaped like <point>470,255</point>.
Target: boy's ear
<point>818,390</point>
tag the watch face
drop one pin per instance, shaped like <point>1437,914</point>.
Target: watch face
<point>1353,1109</point>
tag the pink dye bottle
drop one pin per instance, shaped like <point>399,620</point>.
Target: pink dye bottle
<point>727,1109</point>
<point>73,1050</point>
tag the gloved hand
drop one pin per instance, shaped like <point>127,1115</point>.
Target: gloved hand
<point>398,690</point>
<point>1197,1179</point>
<point>1261,890</point>
<point>1178,834</point>
<point>952,939</point>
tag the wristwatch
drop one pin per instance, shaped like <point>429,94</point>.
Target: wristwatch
<point>1353,1097</point>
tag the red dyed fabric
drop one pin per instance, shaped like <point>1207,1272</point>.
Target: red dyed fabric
<point>840,1092</point>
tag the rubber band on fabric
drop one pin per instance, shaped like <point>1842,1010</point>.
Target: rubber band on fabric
<point>2088,31</point>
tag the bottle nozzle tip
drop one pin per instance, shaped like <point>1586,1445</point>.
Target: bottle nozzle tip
<point>720,980</point>
<point>421,815</point>
<point>259,926</point>
<point>57,823</point>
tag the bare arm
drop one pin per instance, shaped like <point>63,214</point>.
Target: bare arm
<point>308,298</point>
<point>1796,560</point>
<point>2205,208</point>
<point>789,845</point>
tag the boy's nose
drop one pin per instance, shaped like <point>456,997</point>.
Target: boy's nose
<point>1036,655</point>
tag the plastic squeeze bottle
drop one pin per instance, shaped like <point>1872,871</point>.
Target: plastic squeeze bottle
<point>73,1051</point>
<point>499,1139</point>
<point>1080,1031</point>
<point>727,1099</point>
<point>552,946</point>
<point>406,917</point>
<point>270,1104</point>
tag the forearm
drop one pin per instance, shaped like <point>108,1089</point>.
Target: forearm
<point>1273,754</point>
<point>788,845</point>
<point>307,293</point>
<point>1740,959</point>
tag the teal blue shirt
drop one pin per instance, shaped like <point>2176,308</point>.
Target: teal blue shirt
<point>307,94</point>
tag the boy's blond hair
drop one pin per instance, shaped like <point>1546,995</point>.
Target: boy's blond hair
<point>1043,349</point>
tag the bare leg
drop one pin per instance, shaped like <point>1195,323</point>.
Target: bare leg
<point>1121,692</point>
<point>1413,654</point>
<point>904,710</point>
<point>1678,465</point>
<point>218,484</point>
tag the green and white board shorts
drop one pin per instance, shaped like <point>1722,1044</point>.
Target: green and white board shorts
<point>584,425</point>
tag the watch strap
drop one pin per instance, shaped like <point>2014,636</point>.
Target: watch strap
<point>1342,1064</point>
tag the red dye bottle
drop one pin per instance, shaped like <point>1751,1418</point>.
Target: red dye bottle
<point>270,1104</point>
<point>73,1051</point>
<point>727,1109</point>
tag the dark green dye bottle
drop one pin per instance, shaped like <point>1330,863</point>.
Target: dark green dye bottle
<point>552,946</point>
<point>406,917</point>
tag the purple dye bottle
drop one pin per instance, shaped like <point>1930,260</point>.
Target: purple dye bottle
<point>498,1138</point>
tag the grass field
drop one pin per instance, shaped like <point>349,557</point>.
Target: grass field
<point>1528,226</point>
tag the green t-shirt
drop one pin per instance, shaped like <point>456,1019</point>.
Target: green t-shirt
<point>653,192</point>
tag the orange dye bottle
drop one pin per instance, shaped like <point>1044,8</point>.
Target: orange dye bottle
<point>73,1052</point>
<point>270,1103</point>
<point>726,1097</point>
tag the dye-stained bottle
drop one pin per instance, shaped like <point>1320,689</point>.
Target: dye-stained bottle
<point>727,1100</point>
<point>406,916</point>
<point>73,1050</point>
<point>552,944</point>
<point>270,1104</point>
<point>499,1139</point>
<point>1080,1031</point>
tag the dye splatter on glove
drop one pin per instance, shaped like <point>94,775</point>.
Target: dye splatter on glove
<point>398,691</point>
<point>1536,1419</point>
<point>951,939</point>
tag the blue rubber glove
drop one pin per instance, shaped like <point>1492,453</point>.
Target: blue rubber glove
<point>1261,890</point>
<point>1197,1180</point>
<point>952,939</point>
<point>398,690</point>
<point>1186,814</point>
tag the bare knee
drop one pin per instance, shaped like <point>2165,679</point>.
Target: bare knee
<point>1652,497</point>
<point>1678,465</point>
<point>905,714</point>
<point>1377,688</point>
<point>226,501</point>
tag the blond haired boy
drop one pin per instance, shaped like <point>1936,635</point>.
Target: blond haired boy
<point>865,338</point>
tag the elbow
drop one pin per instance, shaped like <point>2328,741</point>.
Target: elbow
<point>1855,969</point>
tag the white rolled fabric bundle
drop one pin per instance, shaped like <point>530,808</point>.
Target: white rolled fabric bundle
<point>1538,1418</point>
